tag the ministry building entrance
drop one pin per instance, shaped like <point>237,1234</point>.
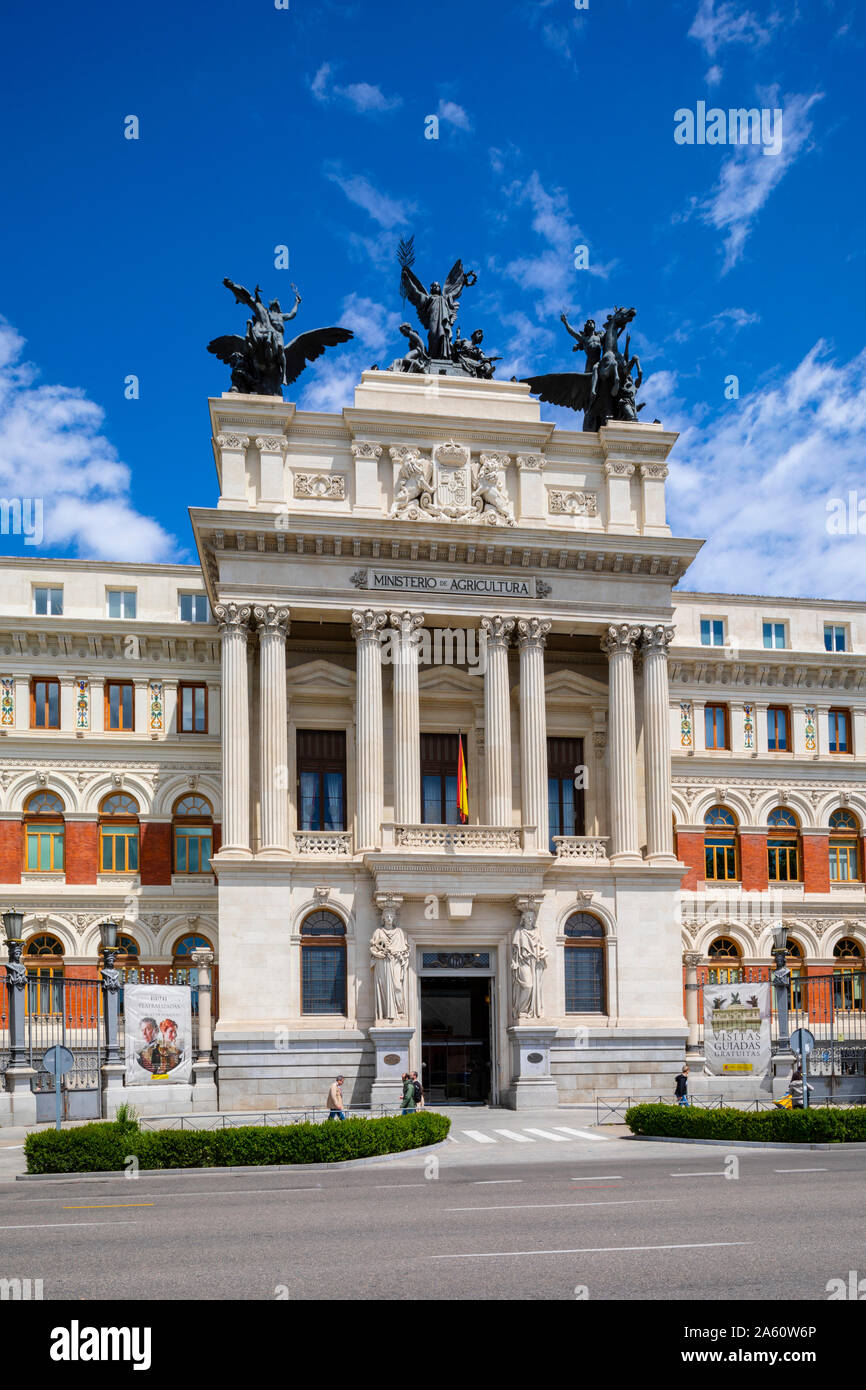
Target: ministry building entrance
<point>456,1030</point>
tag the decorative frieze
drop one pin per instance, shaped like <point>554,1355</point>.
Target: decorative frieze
<point>82,704</point>
<point>686,730</point>
<point>7,702</point>
<point>811,730</point>
<point>155,707</point>
<point>572,502</point>
<point>748,726</point>
<point>322,487</point>
<point>449,487</point>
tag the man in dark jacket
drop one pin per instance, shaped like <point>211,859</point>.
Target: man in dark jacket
<point>681,1087</point>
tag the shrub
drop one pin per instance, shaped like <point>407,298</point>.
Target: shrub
<point>822,1126</point>
<point>100,1148</point>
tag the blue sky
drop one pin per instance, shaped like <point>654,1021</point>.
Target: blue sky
<point>306,127</point>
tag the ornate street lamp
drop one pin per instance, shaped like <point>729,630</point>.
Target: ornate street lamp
<point>108,932</point>
<point>13,925</point>
<point>781,977</point>
<point>16,981</point>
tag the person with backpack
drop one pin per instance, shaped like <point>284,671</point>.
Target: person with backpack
<point>418,1090</point>
<point>681,1087</point>
<point>408,1107</point>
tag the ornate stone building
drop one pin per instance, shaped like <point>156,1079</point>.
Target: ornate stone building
<point>264,754</point>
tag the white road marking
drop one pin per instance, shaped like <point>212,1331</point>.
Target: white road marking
<point>601,1177</point>
<point>518,1138</point>
<point>697,1175</point>
<point>799,1170</point>
<point>581,1133</point>
<point>62,1225</point>
<point>589,1250</point>
<point>547,1134</point>
<point>549,1206</point>
<point>478,1136</point>
<point>493,1182</point>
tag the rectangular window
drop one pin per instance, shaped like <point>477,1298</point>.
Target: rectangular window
<point>48,601</point>
<point>194,608</point>
<point>323,979</point>
<point>774,636</point>
<point>118,852</point>
<point>584,980</point>
<point>778,737</point>
<point>44,849</point>
<point>193,847</point>
<point>783,861</point>
<point>848,989</point>
<point>834,638</point>
<point>716,726</point>
<point>44,704</point>
<point>843,861</point>
<point>439,779</point>
<point>712,632</point>
<point>119,706</point>
<point>720,857</point>
<point>566,776</point>
<point>122,603</point>
<point>840,731</point>
<point>192,700</point>
<point>321,779</point>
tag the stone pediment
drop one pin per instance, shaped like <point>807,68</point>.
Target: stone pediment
<point>450,680</point>
<point>319,675</point>
<point>572,685</point>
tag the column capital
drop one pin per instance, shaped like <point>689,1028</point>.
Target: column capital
<point>497,630</point>
<point>232,617</point>
<point>232,441</point>
<point>692,959</point>
<point>618,468</point>
<point>271,443</point>
<point>621,637</point>
<point>532,632</point>
<point>364,449</point>
<point>655,640</point>
<point>530,463</point>
<point>272,619</point>
<point>367,623</point>
<point>407,624</point>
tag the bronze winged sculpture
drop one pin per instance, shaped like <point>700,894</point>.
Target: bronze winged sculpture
<point>437,307</point>
<point>262,362</point>
<point>605,390</point>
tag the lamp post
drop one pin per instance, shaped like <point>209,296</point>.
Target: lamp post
<point>16,980</point>
<point>781,976</point>
<point>110,988</point>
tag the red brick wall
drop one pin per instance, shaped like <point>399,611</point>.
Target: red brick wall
<point>690,849</point>
<point>82,838</point>
<point>11,850</point>
<point>753,863</point>
<point>155,856</point>
<point>816,863</point>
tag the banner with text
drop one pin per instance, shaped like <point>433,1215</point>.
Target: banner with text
<point>158,1025</point>
<point>737,1029</point>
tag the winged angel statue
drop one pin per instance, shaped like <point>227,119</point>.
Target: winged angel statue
<point>605,389</point>
<point>437,308</point>
<point>262,362</point>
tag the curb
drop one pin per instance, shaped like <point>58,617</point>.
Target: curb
<point>112,1173</point>
<point>745,1143</point>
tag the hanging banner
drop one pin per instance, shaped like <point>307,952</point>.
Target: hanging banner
<point>737,1029</point>
<point>158,1029</point>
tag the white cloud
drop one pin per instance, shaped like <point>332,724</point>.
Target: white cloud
<point>384,210</point>
<point>713,75</point>
<point>364,96</point>
<point>551,273</point>
<point>371,323</point>
<point>732,320</point>
<point>51,447</point>
<point>717,24</point>
<point>756,480</point>
<point>455,115</point>
<point>749,175</point>
<point>522,350</point>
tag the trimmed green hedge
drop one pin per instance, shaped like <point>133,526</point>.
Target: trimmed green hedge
<point>781,1126</point>
<point>108,1147</point>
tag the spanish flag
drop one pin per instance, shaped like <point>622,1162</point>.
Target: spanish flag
<point>462,784</point>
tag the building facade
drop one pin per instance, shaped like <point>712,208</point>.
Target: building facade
<point>266,755</point>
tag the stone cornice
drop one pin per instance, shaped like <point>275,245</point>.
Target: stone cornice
<point>809,672</point>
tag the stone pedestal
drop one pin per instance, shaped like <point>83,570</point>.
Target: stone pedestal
<point>392,1060</point>
<point>204,1092</point>
<point>114,1091</point>
<point>20,1108</point>
<point>532,1086</point>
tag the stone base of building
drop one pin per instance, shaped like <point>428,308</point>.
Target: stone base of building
<point>266,1069</point>
<point>610,1062</point>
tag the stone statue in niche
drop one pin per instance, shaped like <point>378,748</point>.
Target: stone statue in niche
<point>390,961</point>
<point>528,963</point>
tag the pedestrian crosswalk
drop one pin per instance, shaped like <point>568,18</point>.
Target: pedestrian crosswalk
<point>529,1134</point>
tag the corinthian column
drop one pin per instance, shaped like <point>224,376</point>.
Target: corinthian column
<point>531,637</point>
<point>366,626</point>
<point>619,644</point>
<point>232,620</point>
<point>407,733</point>
<point>659,811</point>
<point>273,624</point>
<point>497,719</point>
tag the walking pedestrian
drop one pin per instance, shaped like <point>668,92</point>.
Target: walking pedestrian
<point>335,1101</point>
<point>418,1090</point>
<point>681,1087</point>
<point>796,1087</point>
<point>408,1107</point>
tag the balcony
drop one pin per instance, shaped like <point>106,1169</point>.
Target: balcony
<point>323,844</point>
<point>589,849</point>
<point>461,839</point>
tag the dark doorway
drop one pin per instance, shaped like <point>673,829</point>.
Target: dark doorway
<point>455,1038</point>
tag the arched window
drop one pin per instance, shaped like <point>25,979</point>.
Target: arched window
<point>184,971</point>
<point>796,965</point>
<point>848,974</point>
<point>43,955</point>
<point>192,826</point>
<point>118,834</point>
<point>323,964</point>
<point>726,968</point>
<point>585,983</point>
<point>183,949</point>
<point>783,846</point>
<point>44,834</point>
<point>844,840</point>
<point>720,843</point>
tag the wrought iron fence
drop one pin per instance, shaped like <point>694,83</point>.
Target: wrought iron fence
<point>266,1117</point>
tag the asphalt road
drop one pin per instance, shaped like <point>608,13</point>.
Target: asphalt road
<point>618,1219</point>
